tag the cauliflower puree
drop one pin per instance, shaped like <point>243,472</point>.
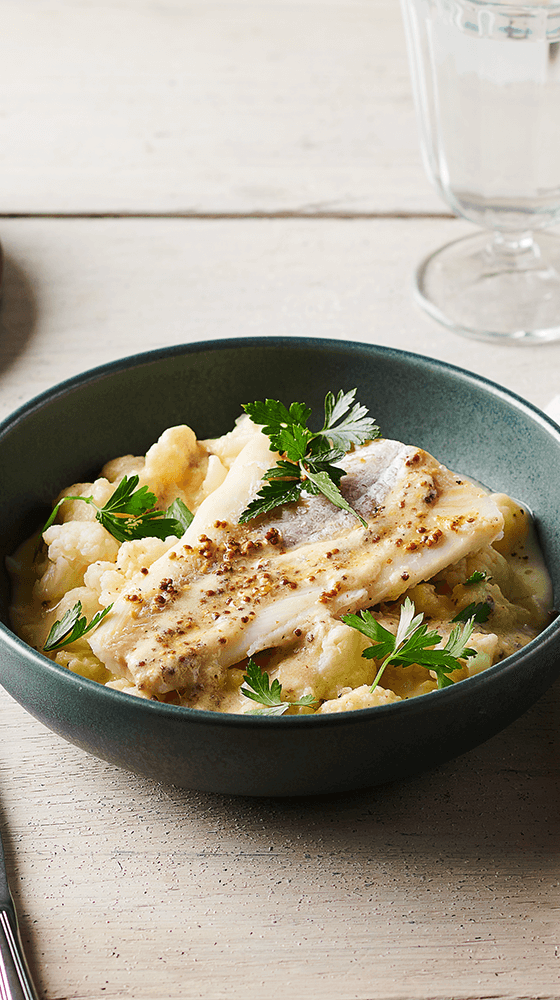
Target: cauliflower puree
<point>81,561</point>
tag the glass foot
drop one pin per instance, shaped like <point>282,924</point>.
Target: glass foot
<point>497,286</point>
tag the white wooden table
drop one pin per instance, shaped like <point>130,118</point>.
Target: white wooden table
<point>185,170</point>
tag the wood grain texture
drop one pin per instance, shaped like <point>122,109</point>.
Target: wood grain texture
<point>207,106</point>
<point>83,292</point>
<point>442,886</point>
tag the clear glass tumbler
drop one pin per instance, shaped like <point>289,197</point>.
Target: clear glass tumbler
<point>486,82</point>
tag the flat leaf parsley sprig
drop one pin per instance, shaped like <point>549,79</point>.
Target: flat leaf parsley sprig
<point>267,695</point>
<point>130,513</point>
<point>72,626</point>
<point>413,644</point>
<point>306,457</point>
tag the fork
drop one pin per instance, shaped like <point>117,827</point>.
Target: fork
<point>15,980</point>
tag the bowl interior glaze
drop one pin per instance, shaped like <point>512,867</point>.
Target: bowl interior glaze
<point>470,424</point>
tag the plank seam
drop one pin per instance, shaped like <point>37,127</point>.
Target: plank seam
<point>224,216</point>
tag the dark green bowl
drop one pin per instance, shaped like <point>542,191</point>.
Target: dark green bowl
<point>470,424</point>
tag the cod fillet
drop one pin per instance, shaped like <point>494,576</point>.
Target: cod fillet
<point>225,590</point>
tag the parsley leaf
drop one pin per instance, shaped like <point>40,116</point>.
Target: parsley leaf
<point>71,627</point>
<point>306,457</point>
<point>412,643</point>
<point>270,496</point>
<point>268,695</point>
<point>323,481</point>
<point>476,612</point>
<point>130,513</point>
<point>179,511</point>
<point>356,428</point>
<point>476,577</point>
<point>276,419</point>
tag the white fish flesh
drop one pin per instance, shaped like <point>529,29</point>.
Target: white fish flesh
<point>225,590</point>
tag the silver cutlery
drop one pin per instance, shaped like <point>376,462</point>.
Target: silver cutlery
<point>15,980</point>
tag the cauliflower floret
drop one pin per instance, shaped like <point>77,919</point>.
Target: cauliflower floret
<point>409,682</point>
<point>505,615</point>
<point>84,663</point>
<point>140,553</point>
<point>76,510</point>
<point>97,574</point>
<point>517,522</point>
<point>126,465</point>
<point>37,626</point>
<point>327,660</point>
<point>487,560</point>
<point>108,579</point>
<point>230,445</point>
<point>486,645</point>
<point>176,466</point>
<point>120,684</point>
<point>71,548</point>
<point>428,602</point>
<point>361,697</point>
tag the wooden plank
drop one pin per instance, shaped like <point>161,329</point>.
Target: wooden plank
<point>84,292</point>
<point>207,106</point>
<point>443,885</point>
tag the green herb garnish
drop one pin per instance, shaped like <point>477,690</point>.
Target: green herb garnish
<point>268,695</point>
<point>476,577</point>
<point>306,456</point>
<point>71,627</point>
<point>179,511</point>
<point>130,513</point>
<point>476,612</point>
<point>412,644</point>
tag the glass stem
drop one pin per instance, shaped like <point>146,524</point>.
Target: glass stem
<point>513,244</point>
<point>514,247</point>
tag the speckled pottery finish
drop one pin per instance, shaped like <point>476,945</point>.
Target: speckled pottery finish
<point>470,424</point>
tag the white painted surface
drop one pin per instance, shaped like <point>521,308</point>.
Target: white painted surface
<point>207,106</point>
<point>442,886</point>
<point>81,292</point>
